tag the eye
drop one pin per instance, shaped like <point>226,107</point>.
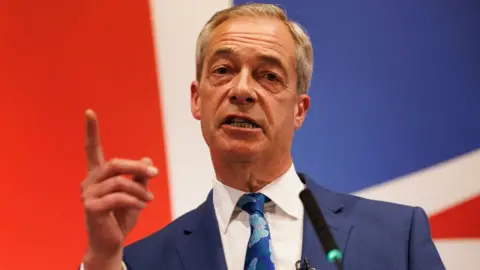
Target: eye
<point>271,77</point>
<point>221,70</point>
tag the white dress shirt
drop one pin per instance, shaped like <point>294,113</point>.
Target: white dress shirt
<point>284,214</point>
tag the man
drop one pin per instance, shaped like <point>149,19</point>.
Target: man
<point>250,95</point>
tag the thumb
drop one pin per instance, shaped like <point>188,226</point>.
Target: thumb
<point>140,179</point>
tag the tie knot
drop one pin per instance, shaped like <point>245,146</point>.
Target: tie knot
<point>252,202</point>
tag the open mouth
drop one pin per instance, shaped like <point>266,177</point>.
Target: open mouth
<point>240,122</point>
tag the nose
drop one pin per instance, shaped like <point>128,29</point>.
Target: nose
<point>242,92</point>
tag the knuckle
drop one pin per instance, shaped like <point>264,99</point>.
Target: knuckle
<point>115,199</point>
<point>84,197</point>
<point>112,164</point>
<point>114,161</point>
<point>108,166</point>
<point>86,194</point>
<point>83,186</point>
<point>131,200</point>
<point>117,183</point>
<point>88,207</point>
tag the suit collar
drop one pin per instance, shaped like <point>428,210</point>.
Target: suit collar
<point>340,226</point>
<point>201,245</point>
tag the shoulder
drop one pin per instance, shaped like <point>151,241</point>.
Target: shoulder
<point>397,222</point>
<point>363,211</point>
<point>394,230</point>
<point>386,214</point>
<point>366,206</point>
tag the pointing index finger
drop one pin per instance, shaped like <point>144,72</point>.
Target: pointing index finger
<point>93,148</point>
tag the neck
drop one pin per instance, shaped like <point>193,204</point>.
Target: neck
<point>250,175</point>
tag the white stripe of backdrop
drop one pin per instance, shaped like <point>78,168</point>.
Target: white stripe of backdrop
<point>176,25</point>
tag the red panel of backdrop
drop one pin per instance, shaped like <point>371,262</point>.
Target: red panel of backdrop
<point>59,58</point>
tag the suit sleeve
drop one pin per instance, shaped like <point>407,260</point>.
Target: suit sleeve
<point>422,251</point>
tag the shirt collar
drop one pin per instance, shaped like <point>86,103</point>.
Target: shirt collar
<point>283,192</point>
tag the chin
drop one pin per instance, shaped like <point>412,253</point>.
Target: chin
<point>241,150</point>
<point>236,145</point>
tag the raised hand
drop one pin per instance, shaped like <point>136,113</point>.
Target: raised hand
<point>111,201</point>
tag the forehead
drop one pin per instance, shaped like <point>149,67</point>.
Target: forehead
<point>254,36</point>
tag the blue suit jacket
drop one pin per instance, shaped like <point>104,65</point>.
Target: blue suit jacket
<point>371,234</point>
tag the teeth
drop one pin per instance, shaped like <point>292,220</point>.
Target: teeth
<point>238,120</point>
<point>242,125</point>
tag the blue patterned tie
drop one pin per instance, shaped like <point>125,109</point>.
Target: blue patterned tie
<point>259,249</point>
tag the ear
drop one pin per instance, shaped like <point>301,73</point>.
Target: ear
<point>301,108</point>
<point>195,101</point>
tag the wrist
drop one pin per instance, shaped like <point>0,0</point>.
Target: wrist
<point>92,261</point>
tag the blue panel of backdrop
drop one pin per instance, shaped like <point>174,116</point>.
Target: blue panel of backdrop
<point>396,87</point>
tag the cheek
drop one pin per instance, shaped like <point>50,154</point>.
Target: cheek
<point>207,109</point>
<point>286,117</point>
<point>280,117</point>
<point>211,105</point>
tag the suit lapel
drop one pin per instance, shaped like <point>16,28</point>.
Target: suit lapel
<point>201,248</point>
<point>339,226</point>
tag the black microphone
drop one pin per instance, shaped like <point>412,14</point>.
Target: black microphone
<point>330,247</point>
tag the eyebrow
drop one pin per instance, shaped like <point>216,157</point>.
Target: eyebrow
<point>223,51</point>
<point>218,53</point>
<point>272,60</point>
<point>269,59</point>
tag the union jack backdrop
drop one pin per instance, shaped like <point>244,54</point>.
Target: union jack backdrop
<point>395,112</point>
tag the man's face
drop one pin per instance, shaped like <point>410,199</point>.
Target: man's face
<point>246,99</point>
